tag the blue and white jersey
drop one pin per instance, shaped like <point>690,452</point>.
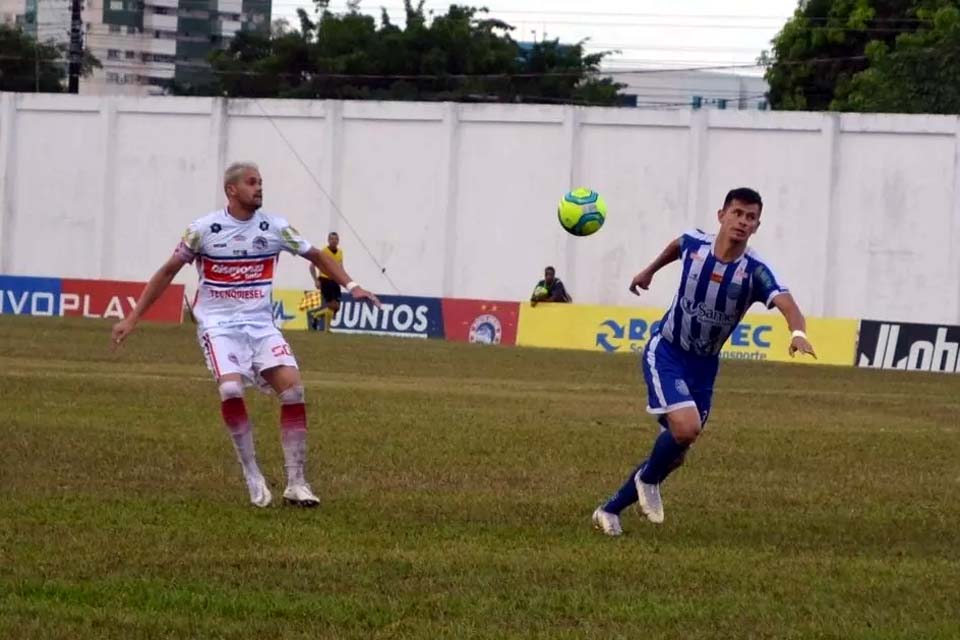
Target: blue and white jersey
<point>714,295</point>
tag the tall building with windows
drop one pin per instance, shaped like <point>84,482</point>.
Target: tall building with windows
<point>42,19</point>
<point>145,45</point>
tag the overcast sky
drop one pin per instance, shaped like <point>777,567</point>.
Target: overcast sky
<point>661,33</point>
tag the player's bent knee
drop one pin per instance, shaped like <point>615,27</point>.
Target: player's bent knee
<point>292,395</point>
<point>685,431</point>
<point>230,389</point>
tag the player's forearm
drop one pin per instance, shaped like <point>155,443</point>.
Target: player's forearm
<point>151,293</point>
<point>791,312</point>
<point>329,266</point>
<point>670,254</point>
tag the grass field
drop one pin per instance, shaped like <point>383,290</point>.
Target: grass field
<point>458,483</point>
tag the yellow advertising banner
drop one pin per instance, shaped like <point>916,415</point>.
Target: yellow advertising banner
<point>286,312</point>
<point>624,329</point>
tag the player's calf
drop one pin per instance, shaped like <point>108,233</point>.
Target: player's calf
<point>234,412</point>
<point>293,437</point>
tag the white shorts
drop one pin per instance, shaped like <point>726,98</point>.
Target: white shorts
<point>246,350</point>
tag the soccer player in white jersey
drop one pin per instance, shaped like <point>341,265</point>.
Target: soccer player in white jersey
<point>235,251</point>
<point>721,278</point>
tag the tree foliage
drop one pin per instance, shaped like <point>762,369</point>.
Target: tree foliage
<point>460,55</point>
<point>867,55</point>
<point>28,65</point>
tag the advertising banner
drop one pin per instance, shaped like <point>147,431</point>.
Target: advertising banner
<point>24,295</point>
<point>286,309</point>
<point>624,329</point>
<point>113,299</point>
<point>481,321</point>
<point>404,316</point>
<point>908,347</point>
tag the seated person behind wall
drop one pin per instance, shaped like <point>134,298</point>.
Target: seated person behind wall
<point>550,289</point>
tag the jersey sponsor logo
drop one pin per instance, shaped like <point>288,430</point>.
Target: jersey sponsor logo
<point>237,271</point>
<point>237,294</point>
<point>706,315</point>
<point>909,347</point>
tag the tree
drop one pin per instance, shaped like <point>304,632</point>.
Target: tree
<point>28,65</point>
<point>919,74</point>
<point>459,55</point>
<point>824,45</point>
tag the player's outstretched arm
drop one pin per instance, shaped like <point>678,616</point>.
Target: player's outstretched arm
<point>151,293</point>
<point>328,265</point>
<point>643,279</point>
<point>796,322</point>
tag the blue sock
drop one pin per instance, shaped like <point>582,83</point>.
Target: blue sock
<point>666,451</point>
<point>625,495</point>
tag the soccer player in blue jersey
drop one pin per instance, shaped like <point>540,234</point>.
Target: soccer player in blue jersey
<point>721,278</point>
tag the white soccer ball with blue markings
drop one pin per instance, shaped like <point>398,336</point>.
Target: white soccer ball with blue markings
<point>582,212</point>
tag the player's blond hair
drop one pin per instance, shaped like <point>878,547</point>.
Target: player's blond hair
<point>235,171</point>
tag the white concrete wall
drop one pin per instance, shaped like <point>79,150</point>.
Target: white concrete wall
<point>862,214</point>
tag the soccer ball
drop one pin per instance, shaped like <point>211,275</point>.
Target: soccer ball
<point>582,212</point>
<point>541,292</point>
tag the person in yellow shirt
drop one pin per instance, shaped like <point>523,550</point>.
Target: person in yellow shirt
<point>329,289</point>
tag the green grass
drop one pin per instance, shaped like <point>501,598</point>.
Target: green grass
<point>457,484</point>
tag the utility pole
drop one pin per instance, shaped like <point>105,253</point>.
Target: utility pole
<point>76,47</point>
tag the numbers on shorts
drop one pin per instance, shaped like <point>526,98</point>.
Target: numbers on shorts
<point>281,350</point>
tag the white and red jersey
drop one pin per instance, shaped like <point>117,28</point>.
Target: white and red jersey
<point>236,260</point>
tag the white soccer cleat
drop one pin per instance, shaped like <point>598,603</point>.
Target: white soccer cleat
<point>300,495</point>
<point>648,498</point>
<point>609,523</point>
<point>259,492</point>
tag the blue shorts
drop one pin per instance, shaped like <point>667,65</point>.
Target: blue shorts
<point>676,378</point>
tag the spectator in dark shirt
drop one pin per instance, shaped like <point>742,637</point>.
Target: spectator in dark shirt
<point>550,289</point>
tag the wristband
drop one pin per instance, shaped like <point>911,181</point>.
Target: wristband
<point>799,334</point>
<point>352,285</point>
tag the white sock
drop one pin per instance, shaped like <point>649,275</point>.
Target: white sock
<point>246,454</point>
<point>294,454</point>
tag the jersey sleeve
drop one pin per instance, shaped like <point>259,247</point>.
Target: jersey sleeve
<point>766,287</point>
<point>692,240</point>
<point>290,239</point>
<point>189,247</point>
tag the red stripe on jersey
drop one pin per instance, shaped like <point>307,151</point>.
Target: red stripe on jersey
<point>213,356</point>
<point>234,271</point>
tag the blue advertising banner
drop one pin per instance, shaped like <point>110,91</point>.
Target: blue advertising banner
<point>405,316</point>
<point>21,295</point>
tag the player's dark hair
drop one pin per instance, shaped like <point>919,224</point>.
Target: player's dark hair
<point>549,269</point>
<point>333,233</point>
<point>745,195</point>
